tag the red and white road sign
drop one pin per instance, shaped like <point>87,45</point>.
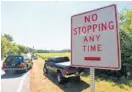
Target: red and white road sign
<point>95,39</point>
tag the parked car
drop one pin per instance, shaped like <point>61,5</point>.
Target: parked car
<point>34,57</point>
<point>16,63</point>
<point>61,67</point>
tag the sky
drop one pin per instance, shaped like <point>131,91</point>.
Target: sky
<point>45,25</point>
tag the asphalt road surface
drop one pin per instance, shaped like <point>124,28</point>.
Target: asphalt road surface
<point>15,82</point>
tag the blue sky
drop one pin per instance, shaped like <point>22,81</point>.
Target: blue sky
<point>45,25</point>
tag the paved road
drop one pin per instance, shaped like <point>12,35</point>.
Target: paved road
<point>15,82</point>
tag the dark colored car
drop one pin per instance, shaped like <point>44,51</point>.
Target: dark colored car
<point>35,57</point>
<point>61,67</point>
<point>16,63</point>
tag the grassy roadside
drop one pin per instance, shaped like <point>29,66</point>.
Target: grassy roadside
<point>39,82</point>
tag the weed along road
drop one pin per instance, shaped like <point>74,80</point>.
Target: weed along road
<point>15,82</point>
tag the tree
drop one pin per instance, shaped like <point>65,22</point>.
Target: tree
<point>14,49</point>
<point>22,48</point>
<point>8,37</point>
<point>9,48</point>
<point>5,46</point>
<point>126,40</point>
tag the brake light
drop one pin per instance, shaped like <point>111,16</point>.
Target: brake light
<point>21,65</point>
<point>4,65</point>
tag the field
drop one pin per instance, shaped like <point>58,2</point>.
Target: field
<point>102,84</point>
<point>47,55</point>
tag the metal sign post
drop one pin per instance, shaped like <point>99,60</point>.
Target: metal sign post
<point>92,81</point>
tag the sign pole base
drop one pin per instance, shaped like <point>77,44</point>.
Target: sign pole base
<point>92,81</point>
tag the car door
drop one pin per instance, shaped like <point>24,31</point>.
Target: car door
<point>52,66</point>
<point>48,64</point>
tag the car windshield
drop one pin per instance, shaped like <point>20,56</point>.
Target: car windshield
<point>61,59</point>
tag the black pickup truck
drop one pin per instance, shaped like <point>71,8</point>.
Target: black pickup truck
<point>61,67</point>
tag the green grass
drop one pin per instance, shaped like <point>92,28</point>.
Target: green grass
<point>47,55</point>
<point>102,83</point>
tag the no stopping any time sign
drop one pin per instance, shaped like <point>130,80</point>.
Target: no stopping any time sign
<point>95,39</point>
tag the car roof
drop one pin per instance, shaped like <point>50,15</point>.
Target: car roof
<point>15,56</point>
<point>54,57</point>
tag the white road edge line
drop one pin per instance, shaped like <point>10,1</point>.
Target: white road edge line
<point>21,82</point>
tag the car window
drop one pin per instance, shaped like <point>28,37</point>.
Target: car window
<point>19,59</point>
<point>9,59</point>
<point>14,59</point>
<point>61,59</point>
<point>50,60</point>
<point>58,59</point>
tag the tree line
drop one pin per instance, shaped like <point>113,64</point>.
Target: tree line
<point>125,27</point>
<point>8,47</point>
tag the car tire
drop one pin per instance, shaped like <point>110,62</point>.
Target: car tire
<point>60,78</point>
<point>45,70</point>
